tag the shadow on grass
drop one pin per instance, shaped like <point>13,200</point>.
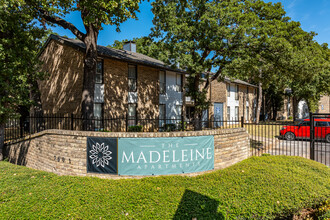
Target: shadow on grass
<point>196,206</point>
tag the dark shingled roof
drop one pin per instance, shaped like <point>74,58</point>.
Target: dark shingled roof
<point>115,54</point>
<point>239,82</point>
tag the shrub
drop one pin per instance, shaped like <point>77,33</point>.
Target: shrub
<point>182,126</point>
<point>170,127</point>
<point>135,128</point>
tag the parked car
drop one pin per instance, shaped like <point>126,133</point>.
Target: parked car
<point>302,130</point>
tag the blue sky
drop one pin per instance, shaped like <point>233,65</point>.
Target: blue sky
<point>313,16</point>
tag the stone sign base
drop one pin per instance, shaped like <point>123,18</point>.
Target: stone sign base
<point>64,152</point>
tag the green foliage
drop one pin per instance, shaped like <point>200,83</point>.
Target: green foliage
<point>274,99</point>
<point>257,188</point>
<point>280,55</point>
<point>135,128</point>
<point>310,72</point>
<point>249,40</point>
<point>19,44</point>
<point>182,126</point>
<point>170,127</point>
<point>95,13</point>
<point>225,36</point>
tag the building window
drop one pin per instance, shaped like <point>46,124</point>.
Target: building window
<point>162,82</point>
<point>247,93</point>
<point>132,78</point>
<point>98,110</point>
<point>98,115</point>
<point>236,93</point>
<point>228,90</point>
<point>178,82</point>
<point>162,115</point>
<point>247,113</point>
<point>131,114</point>
<point>162,111</point>
<point>99,72</point>
<point>254,108</point>
<point>178,109</point>
<point>236,113</point>
<point>228,113</point>
<point>98,106</point>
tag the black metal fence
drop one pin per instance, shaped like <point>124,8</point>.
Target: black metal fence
<point>301,138</point>
<point>18,127</point>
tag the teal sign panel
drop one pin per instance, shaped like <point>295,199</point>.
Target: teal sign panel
<point>159,156</point>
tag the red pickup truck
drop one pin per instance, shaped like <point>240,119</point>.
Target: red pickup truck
<point>302,130</point>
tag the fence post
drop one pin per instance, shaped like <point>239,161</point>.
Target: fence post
<point>242,122</point>
<point>2,139</point>
<point>311,134</point>
<point>21,126</point>
<point>72,121</point>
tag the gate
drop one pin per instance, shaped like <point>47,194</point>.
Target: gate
<point>308,138</point>
<point>320,138</point>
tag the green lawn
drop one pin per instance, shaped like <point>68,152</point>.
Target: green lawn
<point>268,131</point>
<point>260,187</point>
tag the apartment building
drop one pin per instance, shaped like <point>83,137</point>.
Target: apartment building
<point>126,84</point>
<point>230,100</point>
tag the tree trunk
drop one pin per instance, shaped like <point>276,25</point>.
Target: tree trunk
<point>294,108</point>
<point>274,111</point>
<point>197,121</point>
<point>259,103</point>
<point>197,112</point>
<point>90,63</point>
<point>2,140</point>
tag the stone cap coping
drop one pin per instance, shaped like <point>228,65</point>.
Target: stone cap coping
<point>133,134</point>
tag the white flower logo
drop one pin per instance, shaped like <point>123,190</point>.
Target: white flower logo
<point>100,154</point>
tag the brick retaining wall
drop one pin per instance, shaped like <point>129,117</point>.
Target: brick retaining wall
<point>64,152</point>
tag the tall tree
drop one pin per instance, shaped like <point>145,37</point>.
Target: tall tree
<point>310,72</point>
<point>279,54</point>
<point>94,14</point>
<point>19,43</point>
<point>267,52</point>
<point>220,36</point>
<point>199,36</point>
